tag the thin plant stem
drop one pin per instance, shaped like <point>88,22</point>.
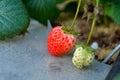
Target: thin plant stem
<point>91,31</point>
<point>93,25</point>
<point>78,7</point>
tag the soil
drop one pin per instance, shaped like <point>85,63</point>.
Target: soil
<point>107,37</point>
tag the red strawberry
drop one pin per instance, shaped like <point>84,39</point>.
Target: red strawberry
<point>60,43</point>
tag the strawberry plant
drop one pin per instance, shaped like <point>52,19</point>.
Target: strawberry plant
<point>61,41</point>
<point>83,55</point>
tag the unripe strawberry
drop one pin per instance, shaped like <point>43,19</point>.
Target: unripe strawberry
<point>83,56</point>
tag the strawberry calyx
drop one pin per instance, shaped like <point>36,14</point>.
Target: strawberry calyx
<point>87,48</point>
<point>68,30</point>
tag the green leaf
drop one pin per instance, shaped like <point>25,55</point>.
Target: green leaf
<point>42,10</point>
<point>113,11</point>
<point>13,18</point>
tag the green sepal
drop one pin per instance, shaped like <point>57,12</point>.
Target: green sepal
<point>85,47</point>
<point>68,30</point>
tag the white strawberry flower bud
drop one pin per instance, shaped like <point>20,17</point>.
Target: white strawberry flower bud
<point>83,56</point>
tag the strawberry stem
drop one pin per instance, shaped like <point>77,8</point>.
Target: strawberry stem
<point>93,25</point>
<point>91,31</point>
<point>73,22</point>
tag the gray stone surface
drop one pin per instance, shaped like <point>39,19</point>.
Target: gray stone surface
<point>27,58</point>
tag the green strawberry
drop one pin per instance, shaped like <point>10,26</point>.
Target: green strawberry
<point>83,56</point>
